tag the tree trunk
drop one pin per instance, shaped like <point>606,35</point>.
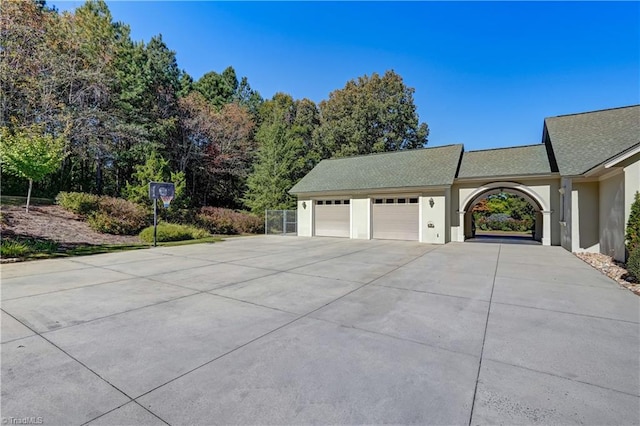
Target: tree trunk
<point>99,178</point>
<point>29,193</point>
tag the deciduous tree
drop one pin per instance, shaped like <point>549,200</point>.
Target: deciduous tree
<point>370,114</point>
<point>30,153</point>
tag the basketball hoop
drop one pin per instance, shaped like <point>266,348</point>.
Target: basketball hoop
<point>166,199</point>
<point>165,191</point>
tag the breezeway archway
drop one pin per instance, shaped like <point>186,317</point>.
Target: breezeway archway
<point>542,229</point>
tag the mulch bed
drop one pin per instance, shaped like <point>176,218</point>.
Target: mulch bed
<point>612,268</point>
<point>57,224</point>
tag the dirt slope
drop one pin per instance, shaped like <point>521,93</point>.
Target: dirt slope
<point>55,223</point>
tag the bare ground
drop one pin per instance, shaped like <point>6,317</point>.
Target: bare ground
<point>57,224</point>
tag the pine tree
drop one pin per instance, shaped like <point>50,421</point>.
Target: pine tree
<point>632,236</point>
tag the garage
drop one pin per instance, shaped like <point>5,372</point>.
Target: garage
<point>396,218</point>
<point>332,218</point>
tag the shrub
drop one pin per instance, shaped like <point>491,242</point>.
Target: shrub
<point>78,202</point>
<point>118,216</point>
<point>177,215</point>
<point>21,247</point>
<point>173,232</point>
<point>249,224</point>
<point>633,263</point>
<point>632,235</point>
<point>498,222</point>
<point>10,248</point>
<point>226,221</point>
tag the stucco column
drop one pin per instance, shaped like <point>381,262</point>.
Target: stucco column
<point>537,231</point>
<point>546,228</point>
<point>461,226</point>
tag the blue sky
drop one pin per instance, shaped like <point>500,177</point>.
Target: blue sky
<point>485,74</point>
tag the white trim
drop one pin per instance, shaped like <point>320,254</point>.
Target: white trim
<point>511,185</point>
<point>420,228</point>
<point>622,157</point>
<point>351,219</point>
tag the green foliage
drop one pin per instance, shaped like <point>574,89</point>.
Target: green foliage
<point>504,224</point>
<point>11,200</point>
<point>78,202</point>
<point>173,232</point>
<point>11,248</point>
<point>633,263</point>
<point>283,154</point>
<point>20,247</point>
<point>504,212</point>
<point>218,89</point>
<point>370,114</point>
<point>155,169</point>
<point>117,216</point>
<point>30,153</point>
<point>227,222</point>
<point>106,214</point>
<point>118,101</point>
<point>632,234</point>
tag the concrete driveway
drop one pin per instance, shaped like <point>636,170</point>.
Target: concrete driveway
<point>287,330</point>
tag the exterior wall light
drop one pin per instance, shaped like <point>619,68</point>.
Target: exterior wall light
<point>431,202</point>
<point>304,204</point>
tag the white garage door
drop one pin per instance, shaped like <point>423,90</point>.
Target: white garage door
<point>396,218</point>
<point>332,218</point>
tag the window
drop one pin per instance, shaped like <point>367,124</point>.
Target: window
<point>389,201</point>
<point>378,201</point>
<point>328,202</point>
<point>413,201</point>
<point>337,202</point>
<point>319,202</point>
<point>402,200</point>
<point>346,202</point>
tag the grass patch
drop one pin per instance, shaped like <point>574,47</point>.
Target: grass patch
<point>23,247</point>
<point>10,200</point>
<point>44,249</point>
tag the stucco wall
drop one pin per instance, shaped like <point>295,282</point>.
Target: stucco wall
<point>612,216</point>
<point>361,218</point>
<point>585,221</point>
<point>544,189</point>
<point>565,219</point>
<point>631,184</point>
<point>433,218</point>
<point>305,218</point>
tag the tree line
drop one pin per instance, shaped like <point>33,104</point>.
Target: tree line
<point>125,106</point>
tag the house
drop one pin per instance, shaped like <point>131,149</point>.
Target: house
<point>581,180</point>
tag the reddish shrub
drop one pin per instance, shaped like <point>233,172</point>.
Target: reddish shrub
<point>226,221</point>
<point>118,216</point>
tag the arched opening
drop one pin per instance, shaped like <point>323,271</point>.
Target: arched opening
<point>504,212</point>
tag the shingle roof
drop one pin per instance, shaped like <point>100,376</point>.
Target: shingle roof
<point>514,161</point>
<point>583,141</point>
<point>399,169</point>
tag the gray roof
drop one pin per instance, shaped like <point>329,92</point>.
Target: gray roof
<point>399,169</point>
<point>583,141</point>
<point>514,161</point>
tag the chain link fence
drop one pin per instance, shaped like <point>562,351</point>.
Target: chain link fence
<point>283,222</point>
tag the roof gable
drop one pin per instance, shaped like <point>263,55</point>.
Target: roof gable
<point>400,169</point>
<point>583,141</point>
<point>513,161</point>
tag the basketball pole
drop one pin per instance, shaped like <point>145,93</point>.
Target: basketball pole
<point>155,220</point>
